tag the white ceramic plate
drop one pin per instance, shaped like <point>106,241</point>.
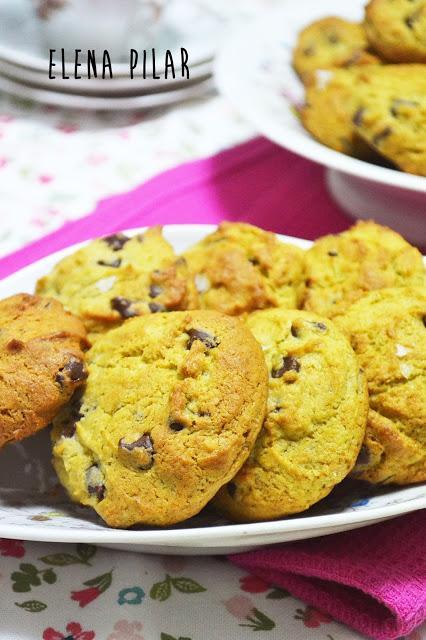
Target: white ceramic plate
<point>33,507</point>
<point>254,71</point>
<point>102,103</point>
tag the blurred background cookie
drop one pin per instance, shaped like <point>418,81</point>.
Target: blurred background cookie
<point>172,407</point>
<point>315,421</point>
<point>240,268</point>
<point>387,330</point>
<point>41,363</point>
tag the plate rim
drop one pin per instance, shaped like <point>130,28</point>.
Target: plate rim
<point>215,536</point>
<point>226,69</point>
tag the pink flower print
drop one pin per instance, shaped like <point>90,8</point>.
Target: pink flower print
<point>12,548</point>
<point>73,632</point>
<point>45,179</point>
<point>6,118</point>
<point>252,584</point>
<point>312,618</point>
<point>239,606</point>
<point>3,162</point>
<point>125,630</point>
<point>67,127</point>
<point>85,596</point>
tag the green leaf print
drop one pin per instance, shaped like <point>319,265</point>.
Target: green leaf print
<point>32,606</point>
<point>29,576</point>
<point>102,582</point>
<point>277,594</point>
<point>49,576</point>
<point>86,552</point>
<point>60,559</point>
<point>166,636</point>
<point>187,585</point>
<point>259,621</point>
<point>161,590</point>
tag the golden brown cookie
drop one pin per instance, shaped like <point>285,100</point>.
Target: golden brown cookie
<point>172,407</point>
<point>315,420</point>
<point>396,29</point>
<point>240,268</point>
<point>41,363</point>
<point>330,43</point>
<point>387,330</point>
<point>341,268</point>
<point>118,277</point>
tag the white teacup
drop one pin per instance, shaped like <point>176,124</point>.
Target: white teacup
<point>97,24</point>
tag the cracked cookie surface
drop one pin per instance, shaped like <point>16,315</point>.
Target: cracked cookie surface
<point>387,330</point>
<point>240,268</point>
<point>341,268</point>
<point>315,420</point>
<point>41,363</point>
<point>331,43</point>
<point>172,407</point>
<point>118,277</point>
<point>397,29</point>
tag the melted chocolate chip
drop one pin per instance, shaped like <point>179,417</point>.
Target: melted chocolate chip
<point>254,261</point>
<point>332,254</point>
<point>144,442</point>
<point>382,135</point>
<point>294,331</point>
<point>400,102</point>
<point>358,116</point>
<point>195,334</point>
<point>289,364</point>
<point>333,38</point>
<point>155,291</point>
<point>424,320</point>
<point>123,306</point>
<point>231,488</point>
<point>15,345</point>
<point>176,426</point>
<point>320,325</point>
<point>69,430</point>
<point>113,263</point>
<point>95,486</point>
<point>116,241</point>
<point>74,370</point>
<point>154,307</point>
<point>309,51</point>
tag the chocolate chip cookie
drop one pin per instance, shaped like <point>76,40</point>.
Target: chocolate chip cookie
<point>41,363</point>
<point>341,268</point>
<point>396,29</point>
<point>240,268</point>
<point>315,420</point>
<point>118,277</point>
<point>172,407</point>
<point>331,43</point>
<point>387,330</point>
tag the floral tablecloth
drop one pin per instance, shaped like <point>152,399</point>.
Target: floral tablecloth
<point>54,166</point>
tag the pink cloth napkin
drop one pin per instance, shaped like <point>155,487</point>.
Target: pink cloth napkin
<point>372,579</point>
<point>256,182</point>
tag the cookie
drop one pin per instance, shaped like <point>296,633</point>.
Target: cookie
<point>331,43</point>
<point>387,330</point>
<point>341,268</point>
<point>41,363</point>
<point>394,124</point>
<point>396,29</point>
<point>315,420</point>
<point>240,268</point>
<point>117,277</point>
<point>172,407</point>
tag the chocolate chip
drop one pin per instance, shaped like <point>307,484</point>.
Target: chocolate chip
<point>294,331</point>
<point>155,291</point>
<point>309,51</point>
<point>289,364</point>
<point>400,102</point>
<point>95,485</point>
<point>382,135</point>
<point>123,306</point>
<point>75,369</point>
<point>424,320</point>
<point>176,426</point>
<point>332,254</point>
<point>231,488</point>
<point>116,241</point>
<point>333,38</point>
<point>114,263</point>
<point>320,325</point>
<point>144,442</point>
<point>358,116</point>
<point>195,334</point>
<point>363,456</point>
<point>410,20</point>
<point>154,307</point>
<point>69,430</point>
<point>254,261</point>
<point>14,345</point>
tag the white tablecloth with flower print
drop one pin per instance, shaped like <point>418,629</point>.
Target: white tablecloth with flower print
<point>54,166</point>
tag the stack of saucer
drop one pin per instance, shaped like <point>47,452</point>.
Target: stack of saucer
<point>28,70</point>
